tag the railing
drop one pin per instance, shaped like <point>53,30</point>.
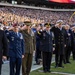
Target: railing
<point>33,7</point>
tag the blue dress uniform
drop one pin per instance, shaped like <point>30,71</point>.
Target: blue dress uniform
<point>46,46</point>
<point>16,50</point>
<point>59,48</point>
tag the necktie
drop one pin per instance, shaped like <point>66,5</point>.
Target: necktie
<point>48,32</point>
<point>17,34</point>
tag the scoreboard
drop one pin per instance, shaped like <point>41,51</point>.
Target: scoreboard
<point>63,1</point>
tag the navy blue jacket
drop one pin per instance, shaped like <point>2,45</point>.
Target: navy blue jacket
<point>69,39</point>
<point>46,41</point>
<point>16,44</point>
<point>59,36</point>
<point>37,40</point>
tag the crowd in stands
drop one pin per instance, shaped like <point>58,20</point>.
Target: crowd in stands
<point>63,38</point>
<point>8,15</point>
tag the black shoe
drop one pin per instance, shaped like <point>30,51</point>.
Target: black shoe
<point>64,62</point>
<point>48,71</point>
<point>61,66</point>
<point>37,64</point>
<point>45,71</point>
<point>56,66</point>
<point>68,62</point>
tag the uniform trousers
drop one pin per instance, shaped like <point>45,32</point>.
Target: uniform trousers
<point>59,54</point>
<point>47,56</point>
<point>73,52</point>
<point>37,55</point>
<point>15,65</point>
<point>27,63</point>
<point>58,59</point>
<point>68,52</point>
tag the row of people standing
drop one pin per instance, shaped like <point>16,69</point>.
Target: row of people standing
<point>22,44</point>
<point>64,44</point>
<point>18,45</point>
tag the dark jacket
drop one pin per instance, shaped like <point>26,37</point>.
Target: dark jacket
<point>73,43</point>
<point>3,44</point>
<point>46,44</point>
<point>69,38</point>
<point>59,40</point>
<point>37,34</point>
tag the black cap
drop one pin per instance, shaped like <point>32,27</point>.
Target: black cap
<point>47,24</point>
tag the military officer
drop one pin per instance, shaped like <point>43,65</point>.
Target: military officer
<point>29,38</point>
<point>46,45</point>
<point>16,49</point>
<point>59,42</point>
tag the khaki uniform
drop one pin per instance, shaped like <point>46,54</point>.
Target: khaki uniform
<point>29,48</point>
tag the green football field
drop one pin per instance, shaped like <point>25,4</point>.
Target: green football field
<point>68,68</point>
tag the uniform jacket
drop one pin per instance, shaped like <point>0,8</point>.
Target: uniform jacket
<point>59,40</point>
<point>30,43</point>
<point>46,44</point>
<point>16,44</point>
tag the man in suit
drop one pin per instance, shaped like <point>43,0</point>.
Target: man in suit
<point>37,52</point>
<point>29,47</point>
<point>16,49</point>
<point>3,47</point>
<point>59,42</point>
<point>73,51</point>
<point>46,45</point>
<point>69,43</point>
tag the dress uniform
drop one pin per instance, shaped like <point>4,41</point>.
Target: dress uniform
<point>59,42</point>
<point>3,47</point>
<point>46,46</point>
<point>29,48</point>
<point>16,50</point>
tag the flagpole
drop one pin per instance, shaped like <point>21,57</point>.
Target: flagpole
<point>72,16</point>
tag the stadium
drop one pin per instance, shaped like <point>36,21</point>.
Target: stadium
<point>40,16</point>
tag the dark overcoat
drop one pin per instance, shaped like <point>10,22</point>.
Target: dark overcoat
<point>59,40</point>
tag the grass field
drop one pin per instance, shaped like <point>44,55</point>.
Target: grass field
<point>39,73</point>
<point>68,68</point>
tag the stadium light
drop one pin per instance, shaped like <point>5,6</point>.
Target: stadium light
<point>73,0</point>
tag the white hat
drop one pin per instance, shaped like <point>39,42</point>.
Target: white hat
<point>59,21</point>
